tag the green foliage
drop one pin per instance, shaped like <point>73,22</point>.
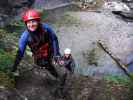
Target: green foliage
<point>124,80</point>
<point>6,60</point>
<point>2,45</point>
<point>2,33</point>
<point>8,41</point>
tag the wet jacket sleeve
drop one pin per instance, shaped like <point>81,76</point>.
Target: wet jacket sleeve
<point>54,40</point>
<point>72,65</point>
<point>21,47</point>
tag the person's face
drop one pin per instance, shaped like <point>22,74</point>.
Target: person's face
<point>67,55</point>
<point>32,25</point>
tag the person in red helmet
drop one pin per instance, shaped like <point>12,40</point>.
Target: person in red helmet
<point>30,15</point>
<point>41,39</point>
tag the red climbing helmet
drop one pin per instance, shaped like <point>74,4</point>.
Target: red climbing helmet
<point>30,14</point>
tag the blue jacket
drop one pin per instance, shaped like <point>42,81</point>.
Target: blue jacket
<point>24,39</point>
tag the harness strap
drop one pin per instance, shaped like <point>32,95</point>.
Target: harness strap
<point>42,51</point>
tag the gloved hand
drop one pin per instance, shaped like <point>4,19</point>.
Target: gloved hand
<point>14,70</point>
<point>61,62</point>
<point>16,73</point>
<point>16,62</point>
<point>56,60</point>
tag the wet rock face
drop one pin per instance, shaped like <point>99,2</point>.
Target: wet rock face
<point>124,9</point>
<point>4,9</point>
<point>10,8</point>
<point>76,87</point>
<point>20,4</point>
<point>110,31</point>
<point>48,4</point>
<point>36,86</point>
<point>10,94</point>
<point>39,84</point>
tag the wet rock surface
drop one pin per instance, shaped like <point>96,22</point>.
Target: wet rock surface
<point>123,8</point>
<point>50,4</point>
<point>12,9</point>
<point>38,85</point>
<point>81,30</point>
<point>10,94</point>
<point>9,9</point>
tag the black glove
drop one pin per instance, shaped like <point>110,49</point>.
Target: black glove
<point>14,68</point>
<point>17,61</point>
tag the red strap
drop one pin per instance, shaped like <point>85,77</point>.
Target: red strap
<point>42,51</point>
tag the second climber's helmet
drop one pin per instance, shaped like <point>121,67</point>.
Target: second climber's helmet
<point>67,51</point>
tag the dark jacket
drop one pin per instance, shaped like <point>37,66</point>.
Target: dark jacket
<point>69,63</point>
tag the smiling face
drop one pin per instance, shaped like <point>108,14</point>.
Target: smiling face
<point>32,25</point>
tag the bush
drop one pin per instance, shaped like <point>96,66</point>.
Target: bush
<point>6,60</point>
